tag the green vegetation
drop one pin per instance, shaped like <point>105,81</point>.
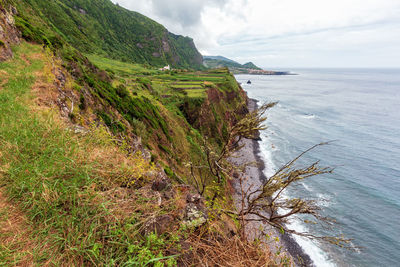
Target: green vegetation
<point>87,196</point>
<point>87,144</point>
<point>235,67</point>
<point>54,178</point>
<point>100,27</point>
<point>121,68</point>
<point>180,94</point>
<point>250,65</point>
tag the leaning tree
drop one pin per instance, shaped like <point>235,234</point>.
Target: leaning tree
<point>267,203</point>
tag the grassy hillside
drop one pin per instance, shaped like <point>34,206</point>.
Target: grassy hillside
<point>95,153</point>
<point>99,26</point>
<point>251,65</point>
<point>62,187</point>
<point>135,100</point>
<point>82,198</point>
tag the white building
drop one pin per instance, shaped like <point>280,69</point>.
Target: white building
<point>166,68</point>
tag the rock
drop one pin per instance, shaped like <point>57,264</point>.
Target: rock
<point>165,46</point>
<point>194,198</point>
<point>194,216</point>
<point>79,129</point>
<point>161,184</point>
<point>9,34</point>
<point>13,11</point>
<point>158,224</point>
<point>168,194</point>
<point>60,78</point>
<point>195,213</point>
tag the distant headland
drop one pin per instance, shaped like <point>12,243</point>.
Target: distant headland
<point>237,68</point>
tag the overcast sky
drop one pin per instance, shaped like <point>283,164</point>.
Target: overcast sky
<point>285,33</point>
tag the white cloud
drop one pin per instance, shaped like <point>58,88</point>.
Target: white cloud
<point>286,32</point>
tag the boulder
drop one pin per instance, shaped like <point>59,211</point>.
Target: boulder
<point>195,213</point>
<point>194,216</point>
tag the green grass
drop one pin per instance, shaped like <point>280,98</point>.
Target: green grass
<point>190,78</point>
<point>191,86</point>
<point>188,84</point>
<point>121,68</point>
<point>196,93</point>
<point>43,171</point>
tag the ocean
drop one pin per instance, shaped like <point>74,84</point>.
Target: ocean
<point>360,110</point>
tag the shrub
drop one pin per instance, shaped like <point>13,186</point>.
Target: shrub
<point>122,91</point>
<point>82,102</point>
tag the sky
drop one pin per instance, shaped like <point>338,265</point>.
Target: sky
<point>285,33</point>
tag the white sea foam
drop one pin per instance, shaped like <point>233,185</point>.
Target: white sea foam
<point>308,116</point>
<point>311,248</point>
<point>324,200</point>
<point>308,188</point>
<point>317,255</point>
<point>266,155</point>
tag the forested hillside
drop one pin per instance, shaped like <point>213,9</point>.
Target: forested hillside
<point>99,26</point>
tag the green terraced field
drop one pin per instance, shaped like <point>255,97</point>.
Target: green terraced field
<point>138,78</point>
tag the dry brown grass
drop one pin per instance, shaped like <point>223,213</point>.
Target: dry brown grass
<point>44,89</point>
<point>214,250</point>
<point>3,78</point>
<point>16,236</point>
<point>46,94</point>
<point>15,232</point>
<point>25,59</point>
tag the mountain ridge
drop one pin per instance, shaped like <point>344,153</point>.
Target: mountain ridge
<point>104,28</point>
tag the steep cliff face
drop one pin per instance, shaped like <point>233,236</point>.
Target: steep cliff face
<point>9,35</point>
<point>100,27</point>
<point>223,105</point>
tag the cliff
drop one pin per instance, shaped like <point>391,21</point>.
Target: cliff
<point>9,35</point>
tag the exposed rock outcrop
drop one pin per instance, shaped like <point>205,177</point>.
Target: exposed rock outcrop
<point>9,34</point>
<point>195,211</point>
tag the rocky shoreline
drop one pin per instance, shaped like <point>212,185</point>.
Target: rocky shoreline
<point>255,175</point>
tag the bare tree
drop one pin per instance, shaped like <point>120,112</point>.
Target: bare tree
<point>268,203</point>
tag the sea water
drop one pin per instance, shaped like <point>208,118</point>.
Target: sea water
<point>360,110</point>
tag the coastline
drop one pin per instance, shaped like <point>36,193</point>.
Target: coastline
<point>251,152</point>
